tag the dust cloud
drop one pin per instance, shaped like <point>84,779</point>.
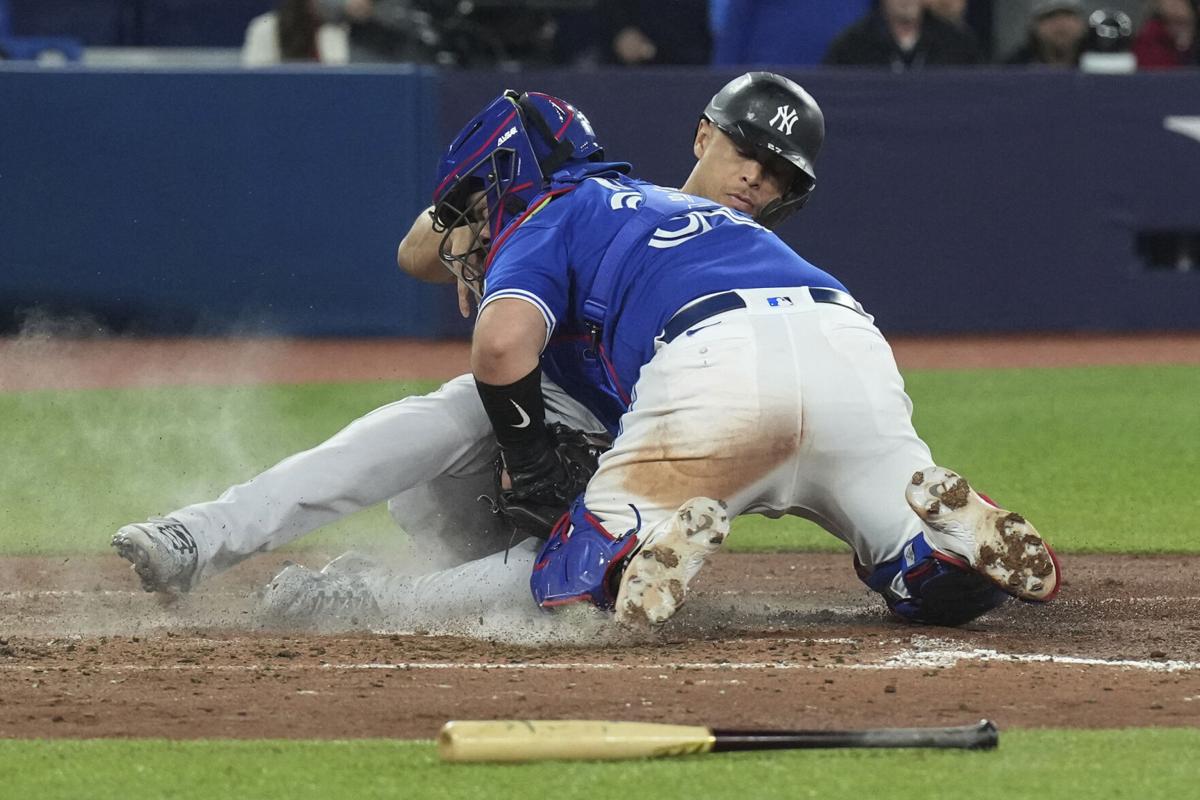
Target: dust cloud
<point>111,470</point>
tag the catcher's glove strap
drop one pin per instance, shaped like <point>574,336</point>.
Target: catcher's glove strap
<point>728,301</point>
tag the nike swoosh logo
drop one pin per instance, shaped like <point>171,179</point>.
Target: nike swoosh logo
<point>524,423</point>
<point>702,327</point>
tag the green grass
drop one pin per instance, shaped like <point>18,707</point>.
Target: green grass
<point>1145,764</point>
<point>78,465</point>
<point>1103,459</point>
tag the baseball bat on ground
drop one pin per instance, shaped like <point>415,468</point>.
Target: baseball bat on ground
<point>591,740</point>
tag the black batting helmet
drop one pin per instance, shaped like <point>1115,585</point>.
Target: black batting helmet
<point>769,113</point>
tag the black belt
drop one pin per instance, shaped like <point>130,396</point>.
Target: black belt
<point>728,301</point>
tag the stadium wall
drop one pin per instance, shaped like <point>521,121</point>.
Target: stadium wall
<point>272,201</point>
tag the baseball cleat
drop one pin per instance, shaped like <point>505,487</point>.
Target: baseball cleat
<point>1001,545</point>
<point>654,583</point>
<point>163,554</point>
<point>350,563</point>
<point>300,597</point>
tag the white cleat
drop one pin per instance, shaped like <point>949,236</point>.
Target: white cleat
<point>350,563</point>
<point>655,581</point>
<point>1001,545</point>
<point>163,554</point>
<point>300,597</point>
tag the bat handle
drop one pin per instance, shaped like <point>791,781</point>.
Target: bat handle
<point>981,736</point>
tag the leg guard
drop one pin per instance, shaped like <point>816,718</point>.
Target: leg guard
<point>931,587</point>
<point>580,562</point>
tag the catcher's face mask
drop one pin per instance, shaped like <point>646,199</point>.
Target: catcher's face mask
<point>471,215</point>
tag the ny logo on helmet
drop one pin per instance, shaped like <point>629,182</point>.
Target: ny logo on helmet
<point>784,119</point>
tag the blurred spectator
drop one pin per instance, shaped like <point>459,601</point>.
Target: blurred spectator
<point>384,30</point>
<point>658,31</point>
<point>294,32</point>
<point>1056,33</point>
<point>774,32</point>
<point>634,32</point>
<point>486,33</point>
<point>903,35</point>
<point>466,33</point>
<point>953,11</point>
<point>1168,36</point>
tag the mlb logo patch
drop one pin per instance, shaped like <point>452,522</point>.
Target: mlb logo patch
<point>777,302</point>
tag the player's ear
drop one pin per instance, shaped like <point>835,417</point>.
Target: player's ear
<point>704,134</point>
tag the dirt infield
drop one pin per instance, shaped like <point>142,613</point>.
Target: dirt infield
<point>768,640</point>
<point>772,640</point>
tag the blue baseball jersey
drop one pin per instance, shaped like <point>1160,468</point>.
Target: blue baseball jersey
<point>551,258</point>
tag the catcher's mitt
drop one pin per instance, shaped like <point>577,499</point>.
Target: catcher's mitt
<point>540,494</point>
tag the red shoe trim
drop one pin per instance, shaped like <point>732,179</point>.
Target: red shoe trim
<point>565,601</point>
<point>953,561</point>
<point>1057,577</point>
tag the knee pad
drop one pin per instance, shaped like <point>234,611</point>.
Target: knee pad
<point>580,562</point>
<point>928,586</point>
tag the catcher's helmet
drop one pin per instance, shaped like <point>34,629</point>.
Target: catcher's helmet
<point>768,113</point>
<point>508,152</point>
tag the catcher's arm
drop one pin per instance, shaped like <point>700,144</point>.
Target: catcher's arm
<point>507,344</point>
<point>418,252</point>
<point>541,468</point>
<point>505,358</point>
